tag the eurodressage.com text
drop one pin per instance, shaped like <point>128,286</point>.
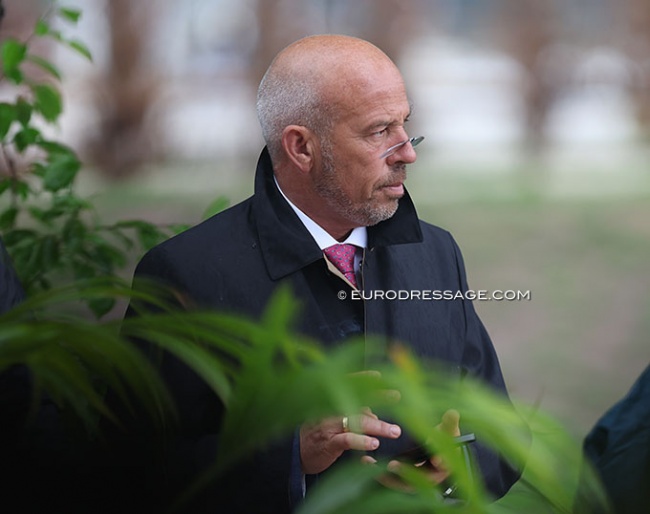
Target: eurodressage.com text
<point>480,295</point>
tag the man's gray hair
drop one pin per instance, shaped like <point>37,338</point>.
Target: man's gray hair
<point>284,100</point>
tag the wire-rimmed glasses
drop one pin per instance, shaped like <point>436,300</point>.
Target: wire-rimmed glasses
<point>413,140</point>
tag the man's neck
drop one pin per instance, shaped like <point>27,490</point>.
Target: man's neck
<point>323,237</point>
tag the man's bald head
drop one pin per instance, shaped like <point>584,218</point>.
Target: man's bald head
<point>307,82</point>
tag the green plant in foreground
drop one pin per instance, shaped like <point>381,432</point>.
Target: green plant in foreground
<point>52,233</point>
<point>280,380</point>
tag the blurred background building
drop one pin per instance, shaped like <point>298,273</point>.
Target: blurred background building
<point>537,122</point>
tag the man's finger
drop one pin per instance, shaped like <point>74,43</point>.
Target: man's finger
<point>376,427</point>
<point>367,459</point>
<point>450,423</point>
<point>352,441</point>
<point>366,411</point>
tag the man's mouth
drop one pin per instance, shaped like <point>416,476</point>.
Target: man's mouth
<point>395,189</point>
<point>394,185</point>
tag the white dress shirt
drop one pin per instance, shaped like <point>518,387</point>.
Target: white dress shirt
<point>358,236</point>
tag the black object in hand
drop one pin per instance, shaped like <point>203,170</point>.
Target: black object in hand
<point>406,449</point>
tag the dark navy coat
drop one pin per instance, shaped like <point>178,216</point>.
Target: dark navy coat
<point>619,448</point>
<point>234,261</point>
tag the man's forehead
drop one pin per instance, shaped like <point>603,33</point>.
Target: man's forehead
<point>373,102</point>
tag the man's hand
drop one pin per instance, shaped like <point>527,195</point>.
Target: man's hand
<point>434,467</point>
<point>323,443</point>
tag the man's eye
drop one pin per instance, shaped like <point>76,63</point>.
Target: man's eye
<point>380,133</point>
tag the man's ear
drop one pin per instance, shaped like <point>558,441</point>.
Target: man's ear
<point>299,146</point>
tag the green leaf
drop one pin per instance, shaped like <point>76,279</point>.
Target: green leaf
<point>108,257</point>
<point>24,111</point>
<point>16,76</point>
<point>38,169</point>
<point>45,65</point>
<point>218,205</point>
<point>54,147</point>
<point>148,234</point>
<point>80,48</point>
<point>51,253</point>
<point>8,218</point>
<point>82,270</point>
<point>74,232</point>
<point>69,14</point>
<point>52,214</point>
<point>38,214</point>
<point>20,255</point>
<point>12,238</point>
<point>177,228</point>
<point>71,203</point>
<point>203,361</point>
<point>56,34</point>
<point>21,189</point>
<point>123,238</point>
<point>8,115</point>
<point>13,54</point>
<point>26,137</point>
<point>60,172</point>
<point>5,185</point>
<point>41,28</point>
<point>40,257</point>
<point>48,101</point>
<point>44,283</point>
<point>101,306</point>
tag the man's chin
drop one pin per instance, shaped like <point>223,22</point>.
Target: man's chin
<point>382,213</point>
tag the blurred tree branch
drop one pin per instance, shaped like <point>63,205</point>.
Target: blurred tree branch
<point>529,28</point>
<point>126,93</point>
<point>637,47</point>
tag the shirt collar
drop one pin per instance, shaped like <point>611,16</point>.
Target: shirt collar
<point>358,236</point>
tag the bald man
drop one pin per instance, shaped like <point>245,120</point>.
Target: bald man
<point>334,113</point>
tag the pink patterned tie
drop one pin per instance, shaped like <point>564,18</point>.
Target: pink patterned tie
<point>342,256</point>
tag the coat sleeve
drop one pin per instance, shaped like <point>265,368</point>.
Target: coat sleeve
<point>618,446</point>
<point>481,362</point>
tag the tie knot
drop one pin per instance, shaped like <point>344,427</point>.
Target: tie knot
<point>342,256</point>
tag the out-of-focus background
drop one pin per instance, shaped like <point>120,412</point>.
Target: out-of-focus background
<point>537,122</point>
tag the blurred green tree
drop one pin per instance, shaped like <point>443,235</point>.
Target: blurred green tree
<point>48,229</point>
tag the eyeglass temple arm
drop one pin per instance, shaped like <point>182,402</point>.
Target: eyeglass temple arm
<point>416,140</point>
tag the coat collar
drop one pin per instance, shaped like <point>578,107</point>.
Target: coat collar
<point>287,246</point>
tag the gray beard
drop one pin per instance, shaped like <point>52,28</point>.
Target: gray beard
<point>364,215</point>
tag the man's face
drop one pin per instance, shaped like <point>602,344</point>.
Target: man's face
<point>355,183</point>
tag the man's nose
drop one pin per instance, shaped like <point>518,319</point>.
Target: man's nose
<point>405,153</point>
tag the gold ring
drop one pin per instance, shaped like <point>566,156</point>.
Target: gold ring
<point>346,424</point>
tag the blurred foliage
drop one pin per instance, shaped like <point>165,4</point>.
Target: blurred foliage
<point>72,359</point>
<point>272,380</point>
<point>51,232</point>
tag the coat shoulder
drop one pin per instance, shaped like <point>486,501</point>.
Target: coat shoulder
<point>435,234</point>
<point>439,241</point>
<point>218,235</point>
